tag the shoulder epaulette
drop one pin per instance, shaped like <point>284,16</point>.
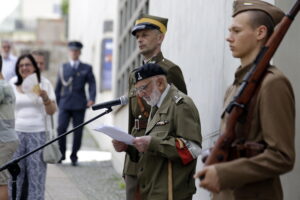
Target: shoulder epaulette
<point>177,98</point>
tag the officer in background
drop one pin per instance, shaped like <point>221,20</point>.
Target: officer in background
<point>269,124</point>
<point>71,97</point>
<point>149,32</point>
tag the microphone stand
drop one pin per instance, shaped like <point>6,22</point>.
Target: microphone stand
<point>13,167</point>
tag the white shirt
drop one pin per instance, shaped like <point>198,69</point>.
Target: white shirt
<point>74,63</point>
<point>8,67</point>
<point>30,111</point>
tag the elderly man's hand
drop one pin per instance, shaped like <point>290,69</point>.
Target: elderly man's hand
<point>119,146</point>
<point>142,143</point>
<point>211,179</point>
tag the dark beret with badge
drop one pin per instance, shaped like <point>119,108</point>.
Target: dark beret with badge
<point>275,13</point>
<point>75,45</point>
<point>148,70</point>
<point>150,22</point>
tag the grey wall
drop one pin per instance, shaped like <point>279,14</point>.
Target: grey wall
<point>287,59</point>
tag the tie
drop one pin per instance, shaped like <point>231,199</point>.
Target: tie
<point>153,111</point>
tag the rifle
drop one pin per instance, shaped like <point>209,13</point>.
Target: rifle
<point>251,81</point>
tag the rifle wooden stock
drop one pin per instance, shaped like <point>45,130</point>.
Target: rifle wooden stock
<point>246,91</point>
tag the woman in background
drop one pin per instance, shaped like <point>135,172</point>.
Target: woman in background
<point>31,125</point>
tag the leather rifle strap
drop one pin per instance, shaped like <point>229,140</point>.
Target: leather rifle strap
<point>251,105</point>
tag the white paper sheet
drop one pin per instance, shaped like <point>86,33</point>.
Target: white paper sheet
<point>116,133</point>
<point>30,84</point>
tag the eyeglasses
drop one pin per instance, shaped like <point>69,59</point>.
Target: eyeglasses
<point>25,65</point>
<point>142,88</point>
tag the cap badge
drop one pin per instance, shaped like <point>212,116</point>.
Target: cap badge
<point>139,76</point>
<point>248,4</point>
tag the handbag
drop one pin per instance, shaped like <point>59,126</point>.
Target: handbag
<point>51,153</point>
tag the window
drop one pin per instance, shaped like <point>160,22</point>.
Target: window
<point>128,59</point>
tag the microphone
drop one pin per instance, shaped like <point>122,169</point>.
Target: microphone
<point>123,100</point>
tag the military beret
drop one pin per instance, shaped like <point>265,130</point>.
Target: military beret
<point>148,70</point>
<point>244,5</point>
<point>75,45</point>
<point>150,22</point>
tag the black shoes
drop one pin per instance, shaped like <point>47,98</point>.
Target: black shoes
<point>74,163</point>
<point>60,161</point>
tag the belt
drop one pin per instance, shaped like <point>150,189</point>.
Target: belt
<point>140,124</point>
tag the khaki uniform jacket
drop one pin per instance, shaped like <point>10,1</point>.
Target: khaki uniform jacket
<point>177,117</point>
<point>273,123</point>
<point>174,76</point>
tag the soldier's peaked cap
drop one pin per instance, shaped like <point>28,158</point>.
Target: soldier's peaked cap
<point>148,70</point>
<point>75,45</point>
<point>150,22</point>
<point>244,5</point>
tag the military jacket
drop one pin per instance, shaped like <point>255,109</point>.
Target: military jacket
<point>174,76</point>
<point>177,117</point>
<point>70,86</point>
<point>273,123</point>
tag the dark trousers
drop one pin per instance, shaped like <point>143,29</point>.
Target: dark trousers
<point>63,123</point>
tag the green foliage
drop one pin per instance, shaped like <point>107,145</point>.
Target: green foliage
<point>122,185</point>
<point>65,7</point>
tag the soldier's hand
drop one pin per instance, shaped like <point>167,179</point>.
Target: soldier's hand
<point>119,146</point>
<point>211,179</point>
<point>142,143</point>
<point>90,103</point>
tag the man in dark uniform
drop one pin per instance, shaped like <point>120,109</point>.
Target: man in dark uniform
<point>270,120</point>
<point>71,97</point>
<point>149,32</point>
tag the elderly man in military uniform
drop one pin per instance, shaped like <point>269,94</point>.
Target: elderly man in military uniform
<point>270,120</point>
<point>71,97</point>
<point>149,32</point>
<point>168,151</point>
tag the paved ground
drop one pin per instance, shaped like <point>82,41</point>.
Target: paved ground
<point>93,179</point>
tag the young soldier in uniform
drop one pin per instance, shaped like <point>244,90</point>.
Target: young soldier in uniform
<point>149,32</point>
<point>71,97</point>
<point>270,120</point>
<point>172,139</point>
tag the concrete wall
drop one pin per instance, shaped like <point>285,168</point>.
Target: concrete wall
<point>86,24</point>
<point>287,59</point>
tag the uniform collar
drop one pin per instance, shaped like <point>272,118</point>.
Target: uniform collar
<point>240,73</point>
<point>163,96</point>
<point>74,63</point>
<point>155,59</point>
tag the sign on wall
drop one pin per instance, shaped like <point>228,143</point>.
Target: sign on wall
<point>106,64</point>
